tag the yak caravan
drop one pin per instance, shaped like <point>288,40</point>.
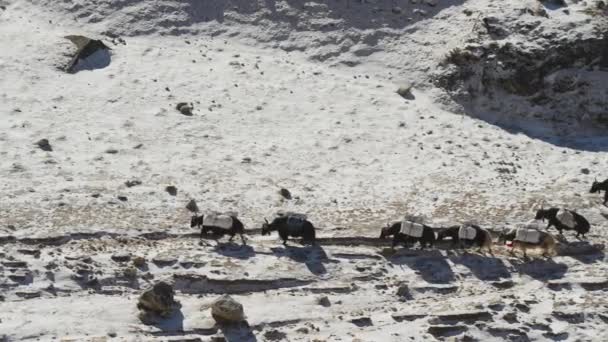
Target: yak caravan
<point>366,170</point>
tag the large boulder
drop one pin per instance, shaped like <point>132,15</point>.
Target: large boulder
<point>227,310</point>
<point>157,302</point>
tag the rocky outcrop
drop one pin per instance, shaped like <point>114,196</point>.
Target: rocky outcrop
<point>540,67</point>
<point>157,303</point>
<point>227,310</point>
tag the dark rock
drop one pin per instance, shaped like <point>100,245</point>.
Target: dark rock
<point>95,195</point>
<point>465,316</point>
<point>227,310</point>
<point>403,291</point>
<point>362,322</point>
<point>122,257</point>
<point>446,330</point>
<point>132,183</point>
<point>285,193</point>
<point>585,171</point>
<point>324,301</point>
<point>44,145</point>
<point>185,108</point>
<point>408,317</point>
<point>111,151</point>
<point>503,284</point>
<point>275,335</point>
<point>172,190</point>
<point>192,206</point>
<point>570,317</point>
<point>123,198</point>
<point>510,317</point>
<point>157,301</point>
<point>139,261</point>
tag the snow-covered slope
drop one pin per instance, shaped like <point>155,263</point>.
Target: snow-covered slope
<point>297,95</point>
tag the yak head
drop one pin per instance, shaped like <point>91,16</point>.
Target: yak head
<point>385,232</point>
<point>595,187</point>
<point>266,227</point>
<point>540,214</point>
<point>196,220</point>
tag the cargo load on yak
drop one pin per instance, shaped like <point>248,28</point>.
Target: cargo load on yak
<point>566,218</point>
<point>527,235</point>
<point>412,229</point>
<point>467,232</point>
<point>218,220</point>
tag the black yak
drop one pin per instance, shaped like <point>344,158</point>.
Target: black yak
<point>563,219</point>
<point>424,235</point>
<point>288,225</point>
<point>599,187</point>
<point>219,225</point>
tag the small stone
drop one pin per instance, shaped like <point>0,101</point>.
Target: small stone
<point>172,190</point>
<point>246,160</point>
<point>324,301</point>
<point>362,322</point>
<point>227,310</point>
<point>405,91</point>
<point>192,206</point>
<point>397,10</point>
<point>285,193</point>
<point>123,198</point>
<point>403,291</point>
<point>44,145</point>
<point>111,151</point>
<point>275,335</point>
<point>121,257</point>
<point>585,171</point>
<point>139,261</point>
<point>157,301</point>
<point>431,3</point>
<point>132,183</point>
<point>185,108</point>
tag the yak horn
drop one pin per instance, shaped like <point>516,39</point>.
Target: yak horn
<point>266,220</point>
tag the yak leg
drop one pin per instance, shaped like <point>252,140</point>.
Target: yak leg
<point>605,197</point>
<point>243,239</point>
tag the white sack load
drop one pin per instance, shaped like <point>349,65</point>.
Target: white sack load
<point>412,229</point>
<point>532,224</point>
<point>216,220</point>
<point>467,233</point>
<point>527,235</point>
<point>566,218</point>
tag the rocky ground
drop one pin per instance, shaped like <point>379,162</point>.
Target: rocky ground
<point>498,113</point>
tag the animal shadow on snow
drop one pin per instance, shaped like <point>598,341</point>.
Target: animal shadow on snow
<point>585,252</point>
<point>432,266</point>
<point>171,325</point>
<point>541,130</point>
<point>240,332</point>
<point>541,269</point>
<point>312,256</point>
<point>483,267</point>
<point>234,250</point>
